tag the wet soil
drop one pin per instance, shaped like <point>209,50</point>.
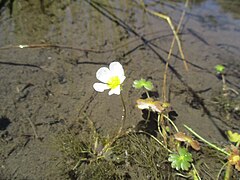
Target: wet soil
<point>47,86</point>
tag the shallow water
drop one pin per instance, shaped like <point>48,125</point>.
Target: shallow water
<point>48,83</point>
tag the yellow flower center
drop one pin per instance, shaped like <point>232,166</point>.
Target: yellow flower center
<point>113,82</point>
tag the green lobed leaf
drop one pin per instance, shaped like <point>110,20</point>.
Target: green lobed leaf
<point>233,137</point>
<point>219,68</point>
<point>143,83</point>
<point>185,165</point>
<point>181,160</point>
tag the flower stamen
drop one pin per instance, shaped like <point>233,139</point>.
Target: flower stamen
<point>113,82</point>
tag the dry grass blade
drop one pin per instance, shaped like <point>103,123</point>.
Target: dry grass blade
<point>169,21</point>
<point>170,53</point>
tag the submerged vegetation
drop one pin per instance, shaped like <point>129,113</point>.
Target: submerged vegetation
<point>137,154</point>
<point>226,101</point>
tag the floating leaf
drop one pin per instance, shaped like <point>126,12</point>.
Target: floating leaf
<point>195,145</point>
<point>233,137</point>
<point>181,160</point>
<point>143,83</point>
<point>188,139</point>
<point>151,104</point>
<point>219,68</point>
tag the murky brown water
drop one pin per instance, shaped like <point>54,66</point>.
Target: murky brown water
<point>49,83</point>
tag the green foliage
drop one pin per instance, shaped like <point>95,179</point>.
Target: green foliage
<point>143,83</point>
<point>233,137</point>
<point>219,68</point>
<point>181,160</point>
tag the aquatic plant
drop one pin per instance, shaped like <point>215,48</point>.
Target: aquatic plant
<point>98,147</point>
<point>160,108</point>
<point>170,137</point>
<point>234,137</point>
<point>181,160</point>
<point>234,157</point>
<point>177,146</point>
<point>142,83</point>
<point>111,78</point>
<point>219,68</point>
<point>182,137</point>
<point>153,105</point>
<point>227,100</point>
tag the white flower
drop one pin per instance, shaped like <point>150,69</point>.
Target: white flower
<point>111,78</point>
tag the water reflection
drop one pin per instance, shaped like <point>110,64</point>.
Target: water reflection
<point>230,7</point>
<point>227,6</point>
<point>54,20</point>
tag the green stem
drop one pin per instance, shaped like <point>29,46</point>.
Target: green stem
<point>162,125</point>
<point>195,172</point>
<point>208,143</point>
<point>147,94</point>
<point>228,171</point>
<point>148,116</point>
<point>123,116</point>
<point>106,147</point>
<point>224,82</point>
<point>159,130</point>
<point>173,124</point>
<point>219,173</point>
<point>225,88</point>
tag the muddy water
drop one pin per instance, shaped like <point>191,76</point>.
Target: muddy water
<point>47,85</point>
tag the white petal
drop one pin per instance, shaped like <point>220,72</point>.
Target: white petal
<point>122,78</point>
<point>116,90</point>
<point>103,74</point>
<point>100,87</point>
<point>116,69</point>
